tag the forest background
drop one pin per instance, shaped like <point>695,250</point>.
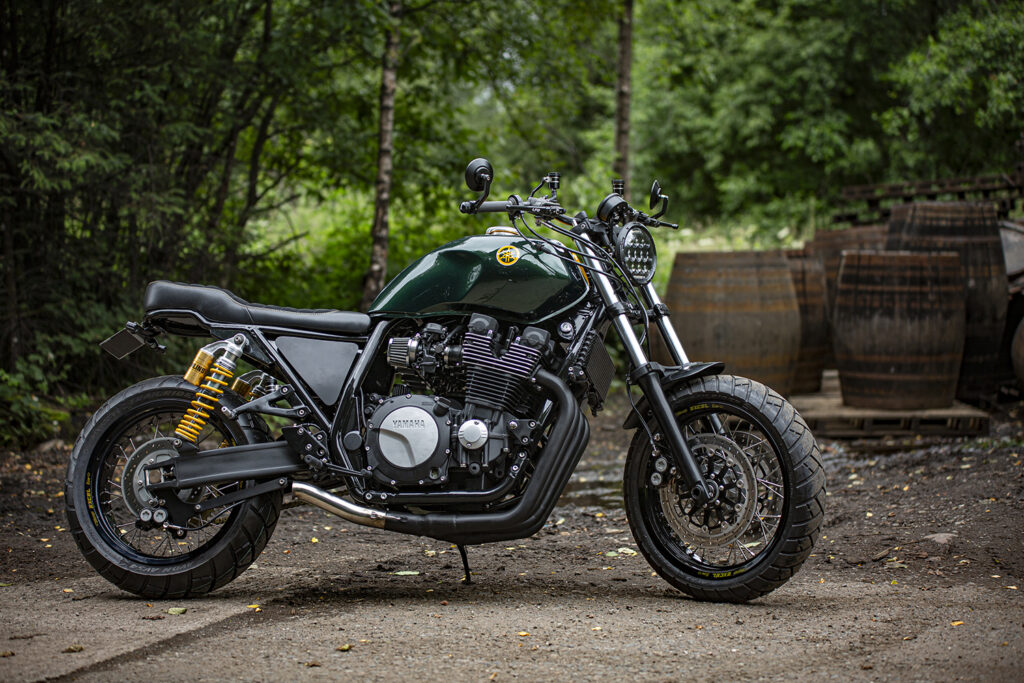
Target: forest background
<point>277,147</point>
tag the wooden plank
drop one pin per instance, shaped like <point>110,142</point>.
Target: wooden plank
<point>827,417</point>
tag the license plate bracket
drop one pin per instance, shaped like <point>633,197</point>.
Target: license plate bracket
<point>122,343</point>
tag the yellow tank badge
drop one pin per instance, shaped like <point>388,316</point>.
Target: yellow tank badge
<point>508,255</point>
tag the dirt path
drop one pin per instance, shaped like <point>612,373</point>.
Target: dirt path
<point>918,576</point>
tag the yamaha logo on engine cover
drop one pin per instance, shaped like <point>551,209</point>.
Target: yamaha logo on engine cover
<point>407,442</point>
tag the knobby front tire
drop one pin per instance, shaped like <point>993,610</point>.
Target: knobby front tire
<point>768,468</point>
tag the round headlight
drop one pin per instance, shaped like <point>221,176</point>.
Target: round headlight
<point>636,253</point>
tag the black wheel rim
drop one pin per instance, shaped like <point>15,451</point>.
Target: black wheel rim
<point>106,487</point>
<point>704,541</point>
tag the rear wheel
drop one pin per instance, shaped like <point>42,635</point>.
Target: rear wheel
<point>762,524</point>
<point>105,494</point>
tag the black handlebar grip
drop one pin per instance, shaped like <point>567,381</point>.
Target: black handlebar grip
<point>493,207</point>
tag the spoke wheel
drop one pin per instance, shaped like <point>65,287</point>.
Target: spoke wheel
<point>106,490</point>
<point>119,488</point>
<point>765,465</point>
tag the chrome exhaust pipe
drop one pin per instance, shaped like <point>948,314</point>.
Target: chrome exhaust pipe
<point>325,500</point>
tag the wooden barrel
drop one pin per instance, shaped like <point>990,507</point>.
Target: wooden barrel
<point>898,325</point>
<point>972,230</point>
<point>808,274</point>
<point>1017,351</point>
<point>828,246</point>
<point>740,308</point>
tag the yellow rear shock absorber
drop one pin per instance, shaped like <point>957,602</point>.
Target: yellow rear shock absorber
<point>212,377</point>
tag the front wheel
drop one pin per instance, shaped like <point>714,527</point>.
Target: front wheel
<point>760,528</point>
<point>105,494</point>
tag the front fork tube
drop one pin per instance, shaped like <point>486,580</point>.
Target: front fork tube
<point>650,381</point>
<point>668,333</point>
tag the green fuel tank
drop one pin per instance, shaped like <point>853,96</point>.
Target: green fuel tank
<point>504,276</point>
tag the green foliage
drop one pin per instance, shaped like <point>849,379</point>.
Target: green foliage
<point>234,142</point>
<point>961,93</point>
<point>757,108</point>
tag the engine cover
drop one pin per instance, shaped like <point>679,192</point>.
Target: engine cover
<point>409,442</point>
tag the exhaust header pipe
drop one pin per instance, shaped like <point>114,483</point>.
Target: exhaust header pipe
<point>326,500</point>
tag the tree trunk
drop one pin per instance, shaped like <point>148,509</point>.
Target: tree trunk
<point>11,285</point>
<point>622,93</point>
<point>377,272</point>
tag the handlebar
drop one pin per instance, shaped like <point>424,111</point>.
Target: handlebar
<point>642,217</point>
<point>492,207</point>
<point>534,206</point>
<point>612,208</point>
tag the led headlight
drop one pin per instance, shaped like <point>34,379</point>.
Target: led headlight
<point>636,253</point>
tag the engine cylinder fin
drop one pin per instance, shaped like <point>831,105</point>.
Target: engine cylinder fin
<point>496,381</point>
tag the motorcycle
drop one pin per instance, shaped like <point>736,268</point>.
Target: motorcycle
<point>452,410</point>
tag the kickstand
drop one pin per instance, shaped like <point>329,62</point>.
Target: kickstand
<point>465,564</point>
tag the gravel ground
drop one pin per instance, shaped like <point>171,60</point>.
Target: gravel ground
<point>918,576</point>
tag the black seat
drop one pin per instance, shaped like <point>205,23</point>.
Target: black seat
<point>221,306</point>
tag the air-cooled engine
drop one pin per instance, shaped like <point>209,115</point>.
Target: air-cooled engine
<point>462,413</point>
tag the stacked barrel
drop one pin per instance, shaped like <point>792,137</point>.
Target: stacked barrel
<point>912,313</point>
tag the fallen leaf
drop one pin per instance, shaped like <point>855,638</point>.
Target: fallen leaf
<point>430,553</point>
<point>69,590</point>
<point>344,648</point>
<point>596,628</point>
<point>6,653</point>
<point>253,606</point>
<point>444,602</point>
<point>627,551</point>
<point>941,539</point>
<point>73,648</point>
<point>314,540</point>
<point>956,623</point>
<point>869,514</point>
<point>611,553</point>
<point>1011,588</point>
<point>153,617</point>
<point>523,634</point>
<point>177,610</point>
<point>406,572</point>
<point>493,676</point>
<point>312,664</point>
<point>6,585</point>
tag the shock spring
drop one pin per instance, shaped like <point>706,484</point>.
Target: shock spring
<point>210,388</point>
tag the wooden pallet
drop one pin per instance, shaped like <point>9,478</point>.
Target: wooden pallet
<point>827,417</point>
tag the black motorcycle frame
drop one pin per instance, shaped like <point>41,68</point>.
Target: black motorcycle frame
<point>495,517</point>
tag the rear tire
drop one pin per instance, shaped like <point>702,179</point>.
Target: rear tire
<point>764,524</point>
<point>99,515</point>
